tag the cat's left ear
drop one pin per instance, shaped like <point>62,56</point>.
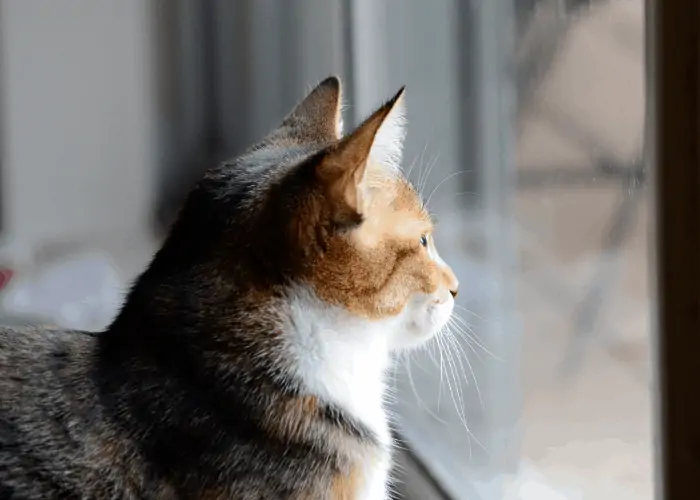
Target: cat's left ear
<point>378,141</point>
<point>317,118</point>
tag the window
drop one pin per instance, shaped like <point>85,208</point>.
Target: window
<point>557,142</point>
<point>536,110</point>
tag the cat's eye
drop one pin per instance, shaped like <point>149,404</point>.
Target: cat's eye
<point>424,240</point>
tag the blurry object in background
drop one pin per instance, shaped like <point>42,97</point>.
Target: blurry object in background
<point>6,276</point>
<point>80,291</point>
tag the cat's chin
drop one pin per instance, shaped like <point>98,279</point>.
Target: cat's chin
<point>424,318</point>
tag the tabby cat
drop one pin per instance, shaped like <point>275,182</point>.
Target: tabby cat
<point>248,361</point>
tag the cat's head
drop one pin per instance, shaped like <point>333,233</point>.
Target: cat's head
<point>310,207</point>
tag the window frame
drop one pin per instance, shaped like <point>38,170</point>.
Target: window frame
<point>673,50</point>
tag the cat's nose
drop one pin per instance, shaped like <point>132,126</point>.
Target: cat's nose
<point>454,288</point>
<point>451,281</point>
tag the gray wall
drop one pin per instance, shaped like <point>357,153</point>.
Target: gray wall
<point>78,118</point>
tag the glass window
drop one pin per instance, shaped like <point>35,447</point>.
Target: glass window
<point>527,122</point>
<point>526,135</point>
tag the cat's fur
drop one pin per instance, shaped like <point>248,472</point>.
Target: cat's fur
<point>248,360</point>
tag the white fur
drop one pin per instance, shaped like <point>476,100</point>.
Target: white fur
<point>343,358</point>
<point>387,148</point>
<point>340,123</point>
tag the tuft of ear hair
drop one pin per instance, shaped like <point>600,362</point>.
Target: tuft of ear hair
<point>317,118</point>
<point>378,139</point>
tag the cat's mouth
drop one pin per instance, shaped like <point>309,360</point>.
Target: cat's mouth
<point>425,319</point>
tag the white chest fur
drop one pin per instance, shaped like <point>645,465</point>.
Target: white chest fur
<point>344,359</point>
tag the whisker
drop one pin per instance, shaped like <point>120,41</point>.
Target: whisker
<point>417,396</point>
<point>471,369</point>
<point>429,170</point>
<point>468,341</point>
<point>469,311</point>
<point>459,408</point>
<point>422,169</point>
<point>430,348</point>
<point>413,163</point>
<point>442,368</point>
<point>454,388</point>
<point>449,336</point>
<point>452,175</point>
<point>469,338</point>
<point>473,338</point>
<point>415,360</point>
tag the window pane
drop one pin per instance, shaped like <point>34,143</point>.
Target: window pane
<point>544,386</point>
<point>582,218</point>
<point>525,137</point>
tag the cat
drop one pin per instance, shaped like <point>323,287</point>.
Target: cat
<point>248,360</point>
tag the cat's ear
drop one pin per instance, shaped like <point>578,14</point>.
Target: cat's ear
<point>379,139</point>
<point>317,118</point>
<point>387,147</point>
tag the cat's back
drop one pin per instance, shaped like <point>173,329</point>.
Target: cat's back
<point>47,402</point>
<point>37,363</point>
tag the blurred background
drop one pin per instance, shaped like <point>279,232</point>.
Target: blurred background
<point>526,120</point>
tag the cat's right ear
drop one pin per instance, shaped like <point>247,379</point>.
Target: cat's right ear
<point>380,139</point>
<point>317,118</point>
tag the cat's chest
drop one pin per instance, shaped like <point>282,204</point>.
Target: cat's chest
<point>376,482</point>
<point>367,480</point>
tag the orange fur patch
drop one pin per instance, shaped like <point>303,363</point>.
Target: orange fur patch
<point>375,269</point>
<point>293,419</point>
<point>347,486</point>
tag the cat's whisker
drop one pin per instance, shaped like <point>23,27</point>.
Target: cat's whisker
<point>468,338</point>
<point>420,365</point>
<point>424,182</point>
<point>447,178</point>
<point>453,367</point>
<point>422,171</point>
<point>457,401</point>
<point>466,326</point>
<point>471,337</point>
<point>464,322</point>
<point>469,365</point>
<point>441,368</point>
<point>454,391</point>
<point>461,414</point>
<point>413,163</point>
<point>451,337</point>
<point>419,400</point>
<point>469,311</point>
<point>430,348</point>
